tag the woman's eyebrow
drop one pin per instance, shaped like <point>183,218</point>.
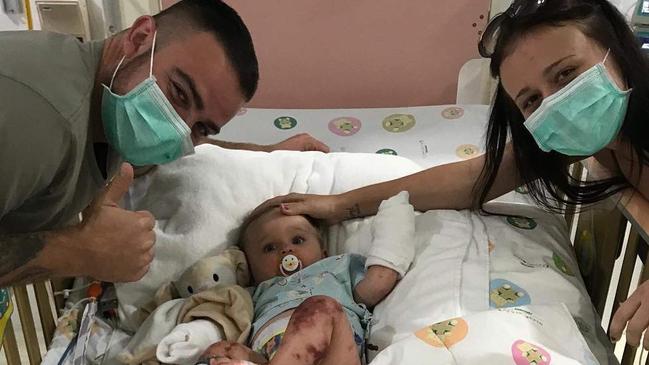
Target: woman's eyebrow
<point>548,70</point>
<point>546,73</point>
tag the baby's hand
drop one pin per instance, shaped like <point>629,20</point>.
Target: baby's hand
<point>227,352</point>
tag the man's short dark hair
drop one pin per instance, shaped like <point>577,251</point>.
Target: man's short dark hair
<point>223,22</point>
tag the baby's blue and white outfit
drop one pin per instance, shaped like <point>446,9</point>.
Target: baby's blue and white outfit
<point>334,276</point>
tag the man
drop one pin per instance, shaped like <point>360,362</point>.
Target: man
<point>70,112</point>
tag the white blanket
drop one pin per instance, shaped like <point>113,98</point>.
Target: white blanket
<point>199,202</point>
<point>540,335</point>
<point>466,266</point>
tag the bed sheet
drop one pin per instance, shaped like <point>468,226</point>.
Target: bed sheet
<point>537,334</point>
<point>468,269</point>
<point>531,254</point>
<point>429,136</point>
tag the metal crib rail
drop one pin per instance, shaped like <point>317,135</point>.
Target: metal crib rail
<point>10,345</point>
<point>606,230</point>
<point>46,315</point>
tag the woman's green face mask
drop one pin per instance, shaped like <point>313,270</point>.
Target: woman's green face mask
<point>568,88</point>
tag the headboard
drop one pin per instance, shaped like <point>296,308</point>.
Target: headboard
<point>361,53</point>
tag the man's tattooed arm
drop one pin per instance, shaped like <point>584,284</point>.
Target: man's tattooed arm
<point>16,259</point>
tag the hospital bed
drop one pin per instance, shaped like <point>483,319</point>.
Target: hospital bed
<point>613,235</point>
<point>610,242</point>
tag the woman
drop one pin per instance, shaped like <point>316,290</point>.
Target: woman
<point>573,83</point>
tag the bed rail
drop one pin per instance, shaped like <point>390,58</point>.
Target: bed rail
<point>32,325</point>
<point>615,232</point>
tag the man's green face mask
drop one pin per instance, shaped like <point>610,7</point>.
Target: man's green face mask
<point>142,125</point>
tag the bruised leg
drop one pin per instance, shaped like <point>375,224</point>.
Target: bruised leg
<point>318,333</point>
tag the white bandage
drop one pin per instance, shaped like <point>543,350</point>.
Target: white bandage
<point>393,235</point>
<point>187,342</point>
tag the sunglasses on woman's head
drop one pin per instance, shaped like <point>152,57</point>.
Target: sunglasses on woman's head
<point>489,38</point>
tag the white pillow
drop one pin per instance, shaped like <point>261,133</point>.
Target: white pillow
<point>200,201</point>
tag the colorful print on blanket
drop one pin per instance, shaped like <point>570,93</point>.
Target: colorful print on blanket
<point>345,126</point>
<point>285,123</point>
<point>6,308</point>
<point>522,222</point>
<point>504,294</point>
<point>399,123</point>
<point>527,335</point>
<point>444,334</point>
<point>525,353</point>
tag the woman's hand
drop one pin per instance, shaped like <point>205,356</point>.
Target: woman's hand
<point>325,207</point>
<point>635,311</point>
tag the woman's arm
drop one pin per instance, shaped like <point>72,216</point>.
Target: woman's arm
<point>637,177</point>
<point>442,187</point>
<point>620,161</point>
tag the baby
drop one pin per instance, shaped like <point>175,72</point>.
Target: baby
<point>310,308</point>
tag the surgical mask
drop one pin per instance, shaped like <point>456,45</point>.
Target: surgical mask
<point>583,117</point>
<point>142,125</point>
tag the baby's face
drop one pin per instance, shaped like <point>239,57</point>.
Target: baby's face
<point>274,235</point>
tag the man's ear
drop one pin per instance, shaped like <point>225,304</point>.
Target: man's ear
<point>139,37</point>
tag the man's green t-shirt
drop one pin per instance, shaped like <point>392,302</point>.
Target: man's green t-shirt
<point>48,169</point>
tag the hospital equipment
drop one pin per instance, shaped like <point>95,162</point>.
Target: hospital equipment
<point>640,21</point>
<point>12,6</point>
<point>65,16</point>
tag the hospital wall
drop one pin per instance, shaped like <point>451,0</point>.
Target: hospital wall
<point>105,16</point>
<point>361,53</point>
<point>625,6</point>
<point>12,21</point>
<point>365,53</point>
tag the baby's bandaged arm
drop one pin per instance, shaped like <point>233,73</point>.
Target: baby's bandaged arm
<point>393,235</point>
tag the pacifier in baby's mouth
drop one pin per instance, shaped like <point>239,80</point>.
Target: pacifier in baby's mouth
<point>290,264</point>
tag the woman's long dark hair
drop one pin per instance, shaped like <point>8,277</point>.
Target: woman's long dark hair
<point>546,175</point>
